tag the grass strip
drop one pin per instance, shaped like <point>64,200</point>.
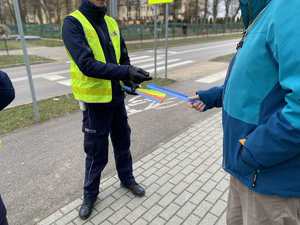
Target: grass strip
<point>18,60</point>
<point>224,58</point>
<point>14,44</point>
<point>21,116</point>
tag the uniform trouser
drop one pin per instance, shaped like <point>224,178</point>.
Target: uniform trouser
<point>100,121</point>
<point>3,220</point>
<point>246,207</point>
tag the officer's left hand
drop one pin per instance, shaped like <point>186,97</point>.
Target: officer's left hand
<point>138,75</point>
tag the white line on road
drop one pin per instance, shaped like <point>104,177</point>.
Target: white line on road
<point>158,63</point>
<point>172,66</point>
<point>212,78</point>
<point>177,52</point>
<point>54,77</point>
<point>140,57</point>
<point>162,51</point>
<point>203,48</point>
<point>41,75</point>
<point>65,82</point>
<point>144,60</point>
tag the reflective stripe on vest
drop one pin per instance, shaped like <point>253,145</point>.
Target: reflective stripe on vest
<point>89,89</point>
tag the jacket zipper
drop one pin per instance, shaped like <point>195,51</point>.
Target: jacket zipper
<point>254,178</point>
<point>241,44</point>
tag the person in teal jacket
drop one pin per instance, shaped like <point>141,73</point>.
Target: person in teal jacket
<point>261,116</point>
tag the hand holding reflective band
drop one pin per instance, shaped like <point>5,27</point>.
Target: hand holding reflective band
<point>196,103</point>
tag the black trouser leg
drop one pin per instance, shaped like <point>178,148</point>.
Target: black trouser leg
<point>3,219</point>
<point>96,149</point>
<point>120,136</point>
<point>96,126</point>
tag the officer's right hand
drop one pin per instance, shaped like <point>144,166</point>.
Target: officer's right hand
<point>138,75</point>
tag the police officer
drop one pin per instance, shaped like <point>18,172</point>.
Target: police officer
<point>7,95</point>
<point>99,64</point>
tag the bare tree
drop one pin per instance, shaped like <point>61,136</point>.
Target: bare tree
<point>227,8</point>
<point>205,14</point>
<point>215,9</point>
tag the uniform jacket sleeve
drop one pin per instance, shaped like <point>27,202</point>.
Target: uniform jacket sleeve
<point>124,60</point>
<point>77,46</point>
<point>7,93</point>
<point>212,97</point>
<point>281,133</point>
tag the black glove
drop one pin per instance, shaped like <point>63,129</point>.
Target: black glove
<point>138,75</point>
<point>130,87</point>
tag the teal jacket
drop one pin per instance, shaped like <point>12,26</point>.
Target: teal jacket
<point>261,100</point>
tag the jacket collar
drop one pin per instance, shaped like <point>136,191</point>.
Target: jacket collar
<point>92,12</point>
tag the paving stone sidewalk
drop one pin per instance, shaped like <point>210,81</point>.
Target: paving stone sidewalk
<point>184,181</point>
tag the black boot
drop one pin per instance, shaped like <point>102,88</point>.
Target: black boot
<point>86,209</point>
<point>135,189</point>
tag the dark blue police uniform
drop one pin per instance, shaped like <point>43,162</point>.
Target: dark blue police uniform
<point>101,120</point>
<point>3,220</point>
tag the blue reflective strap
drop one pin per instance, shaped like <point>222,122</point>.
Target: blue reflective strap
<point>169,92</point>
<point>129,89</point>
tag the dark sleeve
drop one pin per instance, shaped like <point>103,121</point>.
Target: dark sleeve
<point>77,46</point>
<point>7,92</point>
<point>212,97</point>
<point>125,60</point>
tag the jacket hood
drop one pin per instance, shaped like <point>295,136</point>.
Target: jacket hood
<point>251,8</point>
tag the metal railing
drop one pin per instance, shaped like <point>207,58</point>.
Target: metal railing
<point>141,31</point>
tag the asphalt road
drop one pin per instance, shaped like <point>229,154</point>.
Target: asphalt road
<point>42,166</point>
<point>53,79</point>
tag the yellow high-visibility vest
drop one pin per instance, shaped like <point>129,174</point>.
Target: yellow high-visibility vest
<point>88,89</point>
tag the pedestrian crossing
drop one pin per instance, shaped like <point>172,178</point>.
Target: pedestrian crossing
<point>212,78</point>
<point>145,62</point>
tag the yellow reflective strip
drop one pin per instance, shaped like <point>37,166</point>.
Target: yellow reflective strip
<point>93,99</point>
<point>115,36</point>
<point>91,36</point>
<point>92,91</point>
<point>153,2</point>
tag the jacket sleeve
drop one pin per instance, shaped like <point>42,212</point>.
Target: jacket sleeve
<point>212,97</point>
<point>7,93</point>
<point>125,60</point>
<point>278,140</point>
<point>78,48</point>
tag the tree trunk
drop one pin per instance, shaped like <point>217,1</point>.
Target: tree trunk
<point>12,12</point>
<point>197,10</point>
<point>227,7</point>
<point>205,9</point>
<point>215,9</point>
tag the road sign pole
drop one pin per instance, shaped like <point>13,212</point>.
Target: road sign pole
<point>155,40</point>
<point>26,60</point>
<point>116,9</point>
<point>113,8</point>
<point>156,3</point>
<point>166,40</point>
